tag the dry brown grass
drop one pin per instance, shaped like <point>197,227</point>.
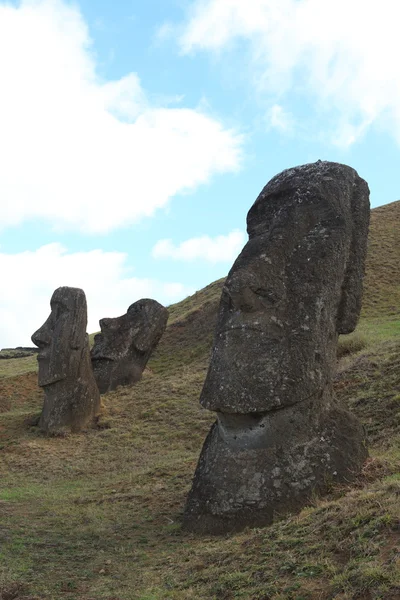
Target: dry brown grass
<point>96,516</point>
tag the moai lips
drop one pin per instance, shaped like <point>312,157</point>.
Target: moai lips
<point>297,284</point>
<point>71,395</point>
<point>125,344</point>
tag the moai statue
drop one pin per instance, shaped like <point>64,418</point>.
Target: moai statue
<point>65,372</point>
<point>280,435</point>
<point>125,344</point>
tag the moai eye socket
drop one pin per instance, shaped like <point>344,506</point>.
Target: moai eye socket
<point>58,309</point>
<point>268,294</point>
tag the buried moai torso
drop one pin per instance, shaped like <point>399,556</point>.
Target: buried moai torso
<point>122,349</point>
<point>71,395</point>
<point>296,285</point>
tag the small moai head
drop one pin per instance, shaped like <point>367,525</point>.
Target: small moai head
<point>135,332</point>
<point>296,285</point>
<point>122,349</point>
<point>62,338</point>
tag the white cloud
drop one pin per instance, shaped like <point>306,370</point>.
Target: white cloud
<point>342,53</point>
<point>222,248</point>
<point>82,153</point>
<point>278,118</point>
<point>33,276</point>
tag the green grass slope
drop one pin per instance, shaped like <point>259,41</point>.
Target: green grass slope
<point>96,516</point>
<point>382,280</point>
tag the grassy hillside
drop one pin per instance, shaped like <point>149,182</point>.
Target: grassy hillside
<point>382,280</point>
<point>96,516</point>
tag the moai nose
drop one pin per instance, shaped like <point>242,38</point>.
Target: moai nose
<point>41,338</point>
<point>105,323</point>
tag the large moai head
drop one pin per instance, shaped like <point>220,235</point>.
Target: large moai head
<point>71,395</point>
<point>297,284</point>
<point>122,349</point>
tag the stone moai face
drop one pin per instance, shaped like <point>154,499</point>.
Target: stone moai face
<point>122,349</point>
<point>296,285</point>
<point>290,292</point>
<point>71,394</point>
<point>62,337</point>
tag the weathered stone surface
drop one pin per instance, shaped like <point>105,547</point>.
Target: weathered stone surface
<point>125,344</point>
<point>296,285</point>
<point>65,373</point>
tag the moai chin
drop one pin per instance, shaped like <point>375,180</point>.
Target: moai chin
<point>125,344</point>
<point>65,373</point>
<point>280,435</point>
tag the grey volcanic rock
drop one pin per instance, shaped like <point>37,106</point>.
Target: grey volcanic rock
<point>280,435</point>
<point>14,354</point>
<point>65,373</point>
<point>125,344</point>
<point>30,349</point>
<point>18,352</point>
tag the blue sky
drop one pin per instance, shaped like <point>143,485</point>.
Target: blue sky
<point>136,135</point>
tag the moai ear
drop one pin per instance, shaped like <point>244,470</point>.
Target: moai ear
<point>149,319</point>
<point>149,327</point>
<point>143,338</point>
<point>79,323</point>
<point>350,303</point>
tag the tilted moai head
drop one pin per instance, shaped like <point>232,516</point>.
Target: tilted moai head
<point>122,349</point>
<point>295,286</point>
<point>71,395</point>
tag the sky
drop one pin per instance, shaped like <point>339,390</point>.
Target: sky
<point>135,136</point>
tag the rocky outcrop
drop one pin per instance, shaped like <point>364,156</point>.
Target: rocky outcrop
<point>280,435</point>
<point>18,352</point>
